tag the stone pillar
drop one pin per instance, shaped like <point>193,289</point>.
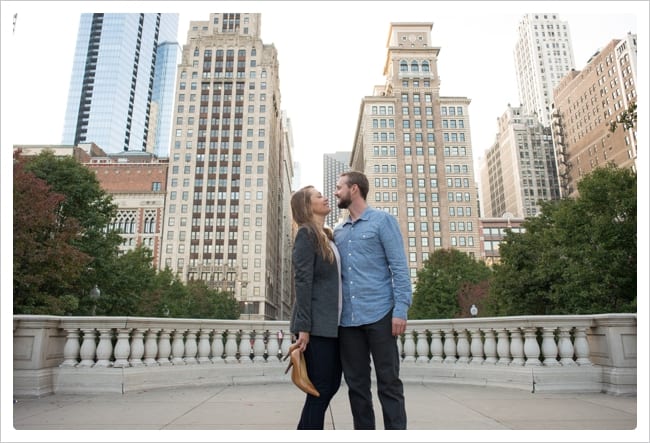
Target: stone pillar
<point>490,347</point>
<point>71,348</point>
<point>150,348</point>
<point>104,348</point>
<point>88,347</point>
<point>178,347</point>
<point>516,347</point>
<point>476,347</point>
<point>565,347</point>
<point>137,348</point>
<point>462,346</point>
<point>204,346</point>
<point>409,346</point>
<point>191,348</point>
<point>259,347</point>
<point>216,349</point>
<point>122,348</point>
<point>549,348</point>
<point>503,348</point>
<point>422,348</point>
<point>581,347</point>
<point>436,346</point>
<point>231,347</point>
<point>449,346</point>
<point>164,348</point>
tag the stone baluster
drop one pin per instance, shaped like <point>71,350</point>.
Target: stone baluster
<point>565,347</point>
<point>436,346</point>
<point>490,347</point>
<point>549,348</point>
<point>204,346</point>
<point>245,347</point>
<point>503,347</point>
<point>231,347</point>
<point>178,347</point>
<point>285,343</point>
<point>259,348</point>
<point>581,346</point>
<point>272,347</point>
<point>217,347</point>
<point>449,346</point>
<point>137,348</point>
<point>71,349</point>
<point>122,348</point>
<point>476,347</point>
<point>164,348</point>
<point>409,346</point>
<point>150,348</point>
<point>516,347</point>
<point>191,347</point>
<point>422,348</point>
<point>531,347</point>
<point>462,346</point>
<point>88,347</point>
<point>104,349</point>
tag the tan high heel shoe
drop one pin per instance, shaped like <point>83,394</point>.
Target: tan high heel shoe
<point>299,375</point>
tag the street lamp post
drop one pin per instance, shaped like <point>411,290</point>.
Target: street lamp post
<point>94,294</point>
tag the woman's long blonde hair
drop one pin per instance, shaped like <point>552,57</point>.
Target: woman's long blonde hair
<point>303,216</point>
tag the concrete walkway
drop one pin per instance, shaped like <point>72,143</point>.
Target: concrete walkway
<point>466,413</point>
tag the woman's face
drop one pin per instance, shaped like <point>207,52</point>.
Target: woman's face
<point>320,205</point>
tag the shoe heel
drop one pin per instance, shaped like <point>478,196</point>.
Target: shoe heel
<point>288,367</point>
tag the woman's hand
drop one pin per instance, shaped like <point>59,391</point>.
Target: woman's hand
<point>303,340</point>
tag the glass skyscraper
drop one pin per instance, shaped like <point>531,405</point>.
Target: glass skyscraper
<point>123,80</point>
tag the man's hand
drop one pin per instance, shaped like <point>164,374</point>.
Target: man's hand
<point>399,326</point>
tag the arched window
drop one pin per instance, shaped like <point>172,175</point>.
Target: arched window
<point>425,66</point>
<point>414,66</point>
<point>403,66</point>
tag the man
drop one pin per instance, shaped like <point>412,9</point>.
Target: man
<point>376,297</point>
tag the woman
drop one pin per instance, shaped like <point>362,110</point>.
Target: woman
<point>316,311</point>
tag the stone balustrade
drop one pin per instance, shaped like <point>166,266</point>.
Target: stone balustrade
<point>592,353</point>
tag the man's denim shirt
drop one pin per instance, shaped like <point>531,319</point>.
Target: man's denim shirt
<point>374,271</point>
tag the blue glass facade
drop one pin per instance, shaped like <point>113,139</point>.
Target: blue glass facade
<point>113,99</point>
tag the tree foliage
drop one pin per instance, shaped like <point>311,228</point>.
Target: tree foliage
<point>46,262</point>
<point>577,257</point>
<point>448,280</point>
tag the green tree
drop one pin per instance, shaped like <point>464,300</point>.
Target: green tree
<point>577,257</point>
<point>93,208</point>
<point>445,276</point>
<point>45,260</point>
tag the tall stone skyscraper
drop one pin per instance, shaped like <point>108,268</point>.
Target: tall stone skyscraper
<point>519,170</point>
<point>415,147</point>
<point>543,55</point>
<point>226,211</point>
<point>122,83</point>
<point>333,165</point>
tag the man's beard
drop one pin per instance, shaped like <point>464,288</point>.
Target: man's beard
<point>344,203</point>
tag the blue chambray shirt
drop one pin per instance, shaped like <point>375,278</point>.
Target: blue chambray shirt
<point>374,271</point>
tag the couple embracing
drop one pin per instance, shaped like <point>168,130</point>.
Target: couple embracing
<point>353,292</point>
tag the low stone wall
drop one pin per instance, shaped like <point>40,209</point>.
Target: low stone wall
<point>77,355</point>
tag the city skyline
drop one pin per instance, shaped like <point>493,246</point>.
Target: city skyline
<point>352,61</point>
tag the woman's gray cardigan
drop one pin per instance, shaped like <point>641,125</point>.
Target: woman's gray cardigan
<point>316,283</point>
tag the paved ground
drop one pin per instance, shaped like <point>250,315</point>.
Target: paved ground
<point>463,412</point>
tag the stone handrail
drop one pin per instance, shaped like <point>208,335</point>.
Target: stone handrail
<point>584,353</point>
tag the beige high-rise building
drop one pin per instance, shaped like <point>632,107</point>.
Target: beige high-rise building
<point>415,147</point>
<point>333,165</point>
<point>225,215</point>
<point>543,55</point>
<point>586,103</point>
<point>519,169</point>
